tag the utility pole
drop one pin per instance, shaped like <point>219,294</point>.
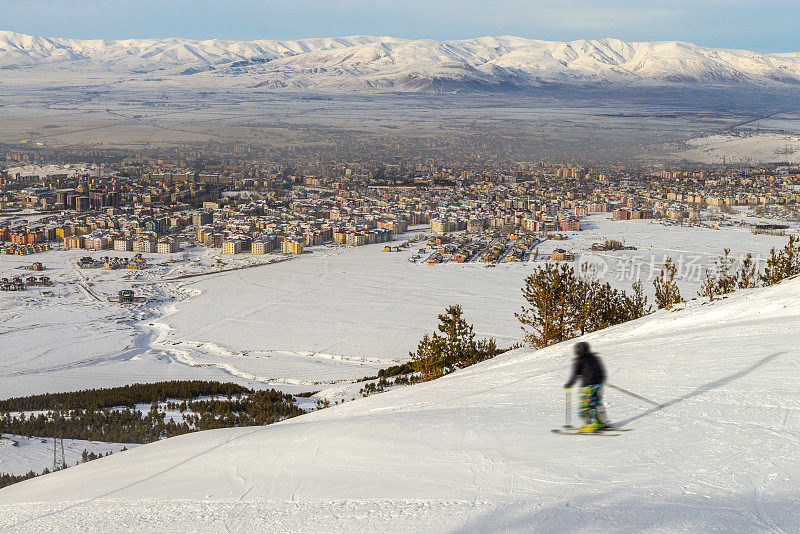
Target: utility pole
<point>55,438</point>
<point>58,435</point>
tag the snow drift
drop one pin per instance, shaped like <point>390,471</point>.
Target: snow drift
<point>369,63</point>
<point>473,451</point>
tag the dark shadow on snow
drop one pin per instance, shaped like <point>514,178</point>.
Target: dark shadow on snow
<point>704,388</point>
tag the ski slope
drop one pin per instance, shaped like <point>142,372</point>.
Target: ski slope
<point>473,451</point>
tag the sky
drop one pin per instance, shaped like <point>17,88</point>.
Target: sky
<point>765,25</point>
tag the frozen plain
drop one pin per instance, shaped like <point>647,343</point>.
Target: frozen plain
<point>472,452</point>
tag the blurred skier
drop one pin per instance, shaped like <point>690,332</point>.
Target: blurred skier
<point>590,369</point>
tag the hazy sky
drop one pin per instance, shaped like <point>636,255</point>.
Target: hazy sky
<point>765,25</point>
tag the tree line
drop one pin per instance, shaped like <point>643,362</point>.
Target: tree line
<point>563,304</point>
<point>6,479</point>
<point>108,421</point>
<point>129,395</point>
<point>726,278</point>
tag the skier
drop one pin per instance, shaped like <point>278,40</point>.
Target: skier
<point>589,367</point>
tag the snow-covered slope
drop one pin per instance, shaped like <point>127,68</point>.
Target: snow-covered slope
<point>386,63</point>
<point>473,451</point>
<point>743,148</point>
<point>20,454</point>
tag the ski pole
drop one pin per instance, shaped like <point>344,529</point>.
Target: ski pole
<point>568,405</point>
<point>625,391</point>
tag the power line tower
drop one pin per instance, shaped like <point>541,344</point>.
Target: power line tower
<point>58,435</point>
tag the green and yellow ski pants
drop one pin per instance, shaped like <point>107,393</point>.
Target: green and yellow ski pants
<point>591,409</point>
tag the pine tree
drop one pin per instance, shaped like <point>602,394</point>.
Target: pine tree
<point>459,339</point>
<point>725,279</point>
<point>608,307</point>
<point>580,301</point>
<point>636,305</point>
<point>726,276</point>
<point>774,272</point>
<point>708,288</point>
<point>747,275</point>
<point>667,292</point>
<point>428,361</point>
<point>546,293</point>
<point>783,264</point>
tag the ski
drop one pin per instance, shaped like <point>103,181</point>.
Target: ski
<point>576,433</point>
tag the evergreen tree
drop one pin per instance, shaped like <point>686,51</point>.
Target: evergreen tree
<point>637,303</point>
<point>725,279</point>
<point>747,275</point>
<point>708,288</point>
<point>458,338</point>
<point>604,307</point>
<point>428,361</point>
<point>783,264</point>
<point>546,293</point>
<point>667,292</point>
<point>580,301</point>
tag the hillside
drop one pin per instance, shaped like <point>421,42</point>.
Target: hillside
<point>743,148</point>
<point>369,63</point>
<point>473,451</point>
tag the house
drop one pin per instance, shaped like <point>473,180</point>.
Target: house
<point>560,254</point>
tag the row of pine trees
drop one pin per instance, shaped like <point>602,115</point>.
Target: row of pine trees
<point>562,303</point>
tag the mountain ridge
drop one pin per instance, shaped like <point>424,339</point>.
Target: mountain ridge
<point>384,63</point>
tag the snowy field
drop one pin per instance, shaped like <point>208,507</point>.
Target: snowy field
<point>744,148</point>
<point>693,249</point>
<point>76,339</point>
<point>371,307</point>
<point>20,454</point>
<point>315,322</point>
<point>473,451</point>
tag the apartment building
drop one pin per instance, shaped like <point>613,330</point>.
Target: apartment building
<point>123,244</point>
<point>292,247</point>
<point>262,246</point>
<point>232,246</point>
<point>167,246</point>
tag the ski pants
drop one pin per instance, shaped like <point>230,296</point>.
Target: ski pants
<point>591,408</point>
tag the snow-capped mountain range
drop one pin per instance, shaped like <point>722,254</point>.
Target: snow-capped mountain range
<point>366,63</point>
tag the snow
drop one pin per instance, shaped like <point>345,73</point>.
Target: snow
<point>43,171</point>
<point>744,148</point>
<point>370,63</point>
<point>472,451</point>
<point>20,454</point>
<point>76,339</point>
<point>314,323</point>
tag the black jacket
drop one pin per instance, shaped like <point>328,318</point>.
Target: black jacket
<point>589,368</point>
